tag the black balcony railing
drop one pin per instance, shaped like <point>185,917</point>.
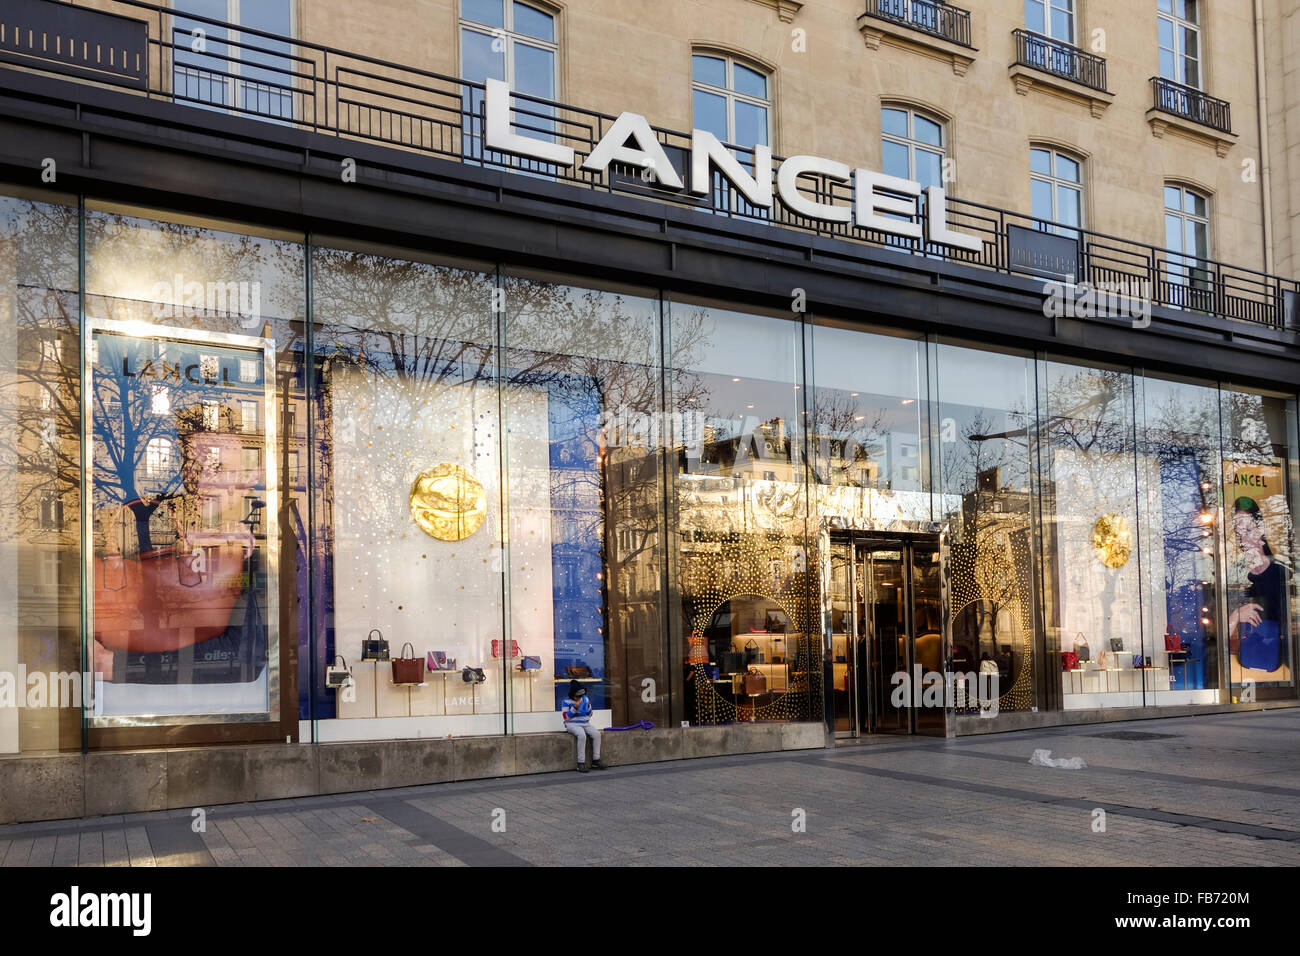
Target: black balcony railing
<point>928,16</point>
<point>1191,104</point>
<point>1060,59</point>
<point>355,97</point>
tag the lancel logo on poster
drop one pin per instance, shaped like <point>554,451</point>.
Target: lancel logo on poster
<point>872,199</point>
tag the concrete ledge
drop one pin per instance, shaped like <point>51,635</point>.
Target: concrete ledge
<point>1005,723</point>
<point>62,786</point>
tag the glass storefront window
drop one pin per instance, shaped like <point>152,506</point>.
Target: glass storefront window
<point>985,422</point>
<point>746,570</point>
<point>1089,506</point>
<point>587,531</point>
<point>407,477</point>
<point>868,415</point>
<point>1178,474</point>
<point>1259,481</point>
<point>43,682</point>
<point>194,357</point>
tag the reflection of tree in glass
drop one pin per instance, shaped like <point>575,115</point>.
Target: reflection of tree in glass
<point>45,429</point>
<point>1091,419</point>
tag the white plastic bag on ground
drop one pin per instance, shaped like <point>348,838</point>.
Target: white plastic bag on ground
<point>1043,758</point>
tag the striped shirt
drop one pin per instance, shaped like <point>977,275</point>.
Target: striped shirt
<point>577,711</point>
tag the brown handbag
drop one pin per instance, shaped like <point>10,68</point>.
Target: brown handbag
<point>408,670</point>
<point>755,683</point>
<point>167,598</point>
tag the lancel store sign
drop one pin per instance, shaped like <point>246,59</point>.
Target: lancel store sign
<point>876,197</point>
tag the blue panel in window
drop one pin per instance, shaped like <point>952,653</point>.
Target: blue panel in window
<point>479,61</point>
<point>895,160</point>
<point>893,122</point>
<point>751,125</point>
<point>927,131</point>
<point>750,82</point>
<point>490,12</point>
<point>534,23</point>
<point>709,69</point>
<point>710,113</point>
<point>534,71</point>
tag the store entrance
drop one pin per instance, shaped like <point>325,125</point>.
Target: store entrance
<point>886,622</point>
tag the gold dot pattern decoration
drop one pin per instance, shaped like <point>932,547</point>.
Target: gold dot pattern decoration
<point>1113,540</point>
<point>447,502</point>
<point>992,564</point>
<point>743,565</point>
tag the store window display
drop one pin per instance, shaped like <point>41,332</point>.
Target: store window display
<point>40,463</point>
<point>586,490</point>
<point>408,481</point>
<point>1259,480</point>
<point>193,355</point>
<point>1180,494</point>
<point>746,569</point>
<point>986,415</point>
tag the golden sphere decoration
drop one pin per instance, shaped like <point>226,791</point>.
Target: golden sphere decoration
<point>1112,540</point>
<point>447,502</point>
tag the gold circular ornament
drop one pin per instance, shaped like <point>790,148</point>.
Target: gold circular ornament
<point>1112,540</point>
<point>447,502</point>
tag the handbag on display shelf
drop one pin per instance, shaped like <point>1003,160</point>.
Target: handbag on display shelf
<point>1173,642</point>
<point>530,662</point>
<point>733,661</point>
<point>752,654</point>
<point>1081,647</point>
<point>1069,661</point>
<point>408,670</point>
<point>338,676</point>
<point>1139,661</point>
<point>1117,643</point>
<point>473,675</point>
<point>755,683</point>
<point>577,670</point>
<point>374,647</point>
<point>167,598</point>
<point>497,645</point>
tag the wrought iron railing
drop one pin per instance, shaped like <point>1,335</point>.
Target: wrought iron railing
<point>1060,59</point>
<point>363,98</point>
<point>928,16</point>
<point>1191,104</point>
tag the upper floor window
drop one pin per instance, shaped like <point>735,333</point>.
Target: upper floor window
<point>1056,189</point>
<point>1051,18</point>
<point>1187,235</point>
<point>220,65</point>
<point>514,42</point>
<point>1180,41</point>
<point>733,102</point>
<point>912,146</point>
<point>730,100</point>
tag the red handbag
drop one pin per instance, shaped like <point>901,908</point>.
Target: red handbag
<point>1173,643</point>
<point>408,670</point>
<point>1069,661</point>
<point>167,598</point>
<point>497,644</point>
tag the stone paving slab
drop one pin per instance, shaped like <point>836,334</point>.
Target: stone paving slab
<point>1217,790</point>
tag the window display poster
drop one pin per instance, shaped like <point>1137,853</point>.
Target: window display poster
<point>182,584</point>
<point>1260,570</point>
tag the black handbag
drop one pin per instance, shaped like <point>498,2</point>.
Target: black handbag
<point>733,661</point>
<point>473,675</point>
<point>374,647</point>
<point>752,654</point>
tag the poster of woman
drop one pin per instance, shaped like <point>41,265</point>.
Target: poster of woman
<point>1260,639</point>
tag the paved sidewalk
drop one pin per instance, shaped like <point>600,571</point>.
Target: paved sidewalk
<point>1214,790</point>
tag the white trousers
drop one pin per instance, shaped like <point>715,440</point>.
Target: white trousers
<point>582,732</point>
